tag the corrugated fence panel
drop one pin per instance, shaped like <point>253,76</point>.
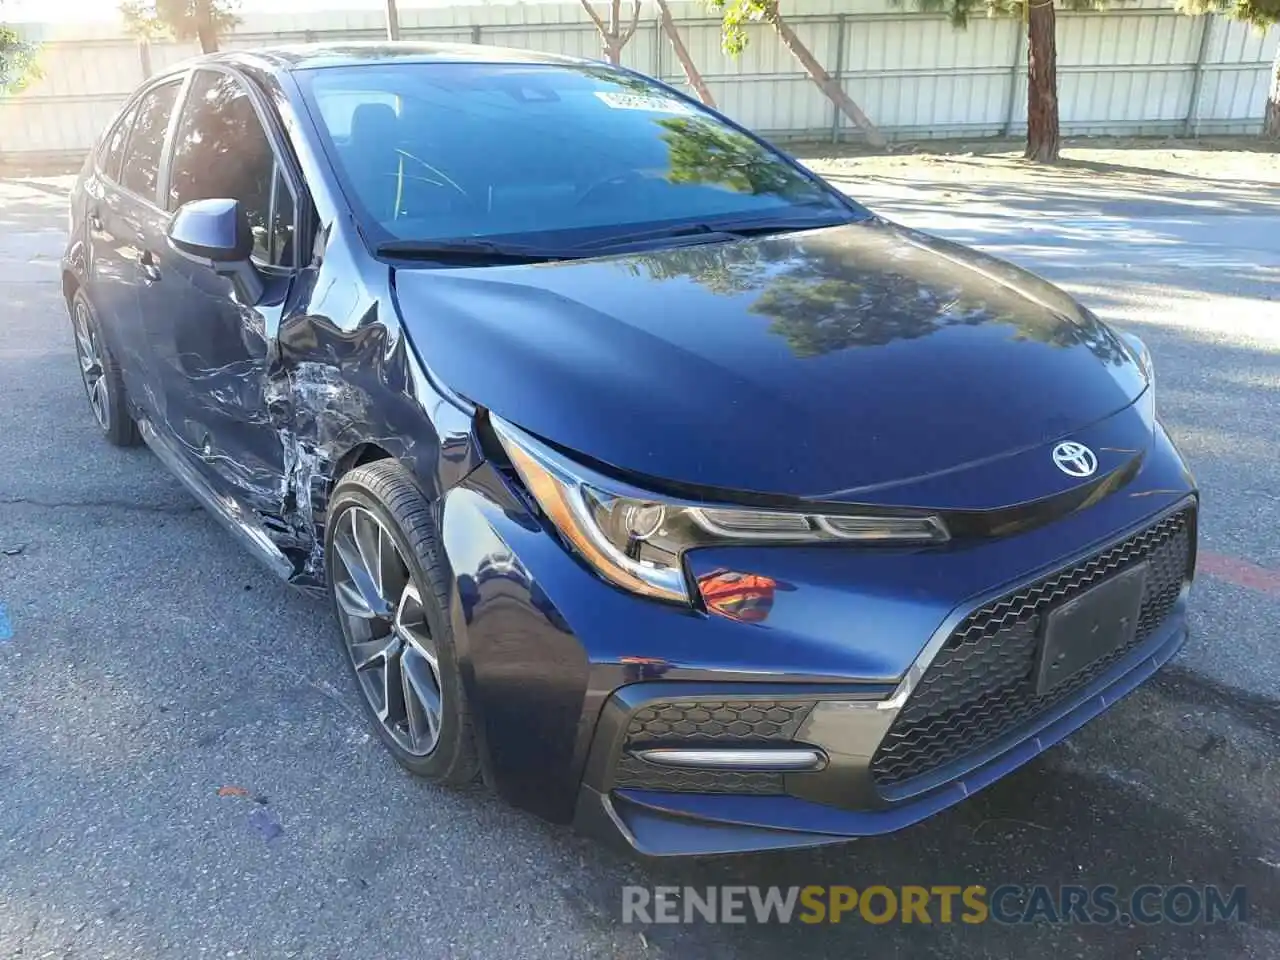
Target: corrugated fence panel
<point>569,39</point>
<point>764,88</point>
<point>83,83</point>
<point>923,77</point>
<point>166,55</point>
<point>1237,76</point>
<point>1127,71</point>
<point>434,34</point>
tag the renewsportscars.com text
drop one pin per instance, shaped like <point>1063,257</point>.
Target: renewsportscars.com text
<point>971,904</point>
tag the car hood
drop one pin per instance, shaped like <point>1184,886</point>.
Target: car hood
<point>824,364</point>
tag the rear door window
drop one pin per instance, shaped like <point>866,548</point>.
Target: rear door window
<point>113,146</point>
<point>141,170</point>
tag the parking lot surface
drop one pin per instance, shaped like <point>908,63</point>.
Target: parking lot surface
<point>184,771</point>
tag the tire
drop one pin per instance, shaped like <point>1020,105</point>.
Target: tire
<point>100,373</point>
<point>385,491</point>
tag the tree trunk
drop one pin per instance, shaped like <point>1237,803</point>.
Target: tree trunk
<point>613,37</point>
<point>1043,138</point>
<point>613,49</point>
<point>1271,119</point>
<point>826,83</point>
<point>207,36</point>
<point>682,54</point>
<point>205,32</point>
<point>144,57</point>
<point>393,20</point>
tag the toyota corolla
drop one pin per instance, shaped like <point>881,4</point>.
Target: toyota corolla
<point>653,480</point>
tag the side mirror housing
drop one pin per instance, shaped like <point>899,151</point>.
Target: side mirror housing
<point>216,235</point>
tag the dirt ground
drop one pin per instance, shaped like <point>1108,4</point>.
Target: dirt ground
<point>1237,160</point>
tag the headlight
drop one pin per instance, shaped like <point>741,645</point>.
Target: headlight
<point>1141,355</point>
<point>635,540</point>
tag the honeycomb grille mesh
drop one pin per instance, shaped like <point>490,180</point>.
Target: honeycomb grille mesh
<point>981,685</point>
<point>719,722</point>
<point>637,774</point>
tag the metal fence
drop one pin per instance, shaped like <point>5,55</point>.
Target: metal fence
<point>1142,69</point>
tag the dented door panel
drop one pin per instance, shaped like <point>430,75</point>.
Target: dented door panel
<point>213,355</point>
<point>260,409</point>
<point>345,383</point>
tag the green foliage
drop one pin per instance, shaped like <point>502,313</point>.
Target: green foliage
<point>1260,13</point>
<point>959,12</point>
<point>701,152</point>
<point>736,15</point>
<point>18,65</point>
<point>180,19</point>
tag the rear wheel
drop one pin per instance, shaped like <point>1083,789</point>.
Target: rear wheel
<point>103,382</point>
<point>390,594</point>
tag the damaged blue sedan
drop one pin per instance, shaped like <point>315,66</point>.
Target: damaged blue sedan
<point>653,481</point>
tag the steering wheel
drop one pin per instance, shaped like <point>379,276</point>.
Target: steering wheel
<point>628,178</point>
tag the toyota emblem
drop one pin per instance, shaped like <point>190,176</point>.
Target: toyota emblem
<point>1075,459</point>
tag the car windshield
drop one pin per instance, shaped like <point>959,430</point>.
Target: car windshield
<point>545,154</point>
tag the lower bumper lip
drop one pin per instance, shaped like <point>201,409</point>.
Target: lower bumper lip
<point>728,759</point>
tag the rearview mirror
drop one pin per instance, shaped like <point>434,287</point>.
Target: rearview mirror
<point>216,234</point>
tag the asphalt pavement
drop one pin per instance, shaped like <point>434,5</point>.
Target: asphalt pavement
<point>184,771</point>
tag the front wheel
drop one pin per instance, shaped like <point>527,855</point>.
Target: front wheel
<point>390,594</point>
<point>103,382</point>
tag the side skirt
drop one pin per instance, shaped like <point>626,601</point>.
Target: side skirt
<point>239,522</point>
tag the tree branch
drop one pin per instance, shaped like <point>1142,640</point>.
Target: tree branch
<point>595,17</point>
<point>635,22</point>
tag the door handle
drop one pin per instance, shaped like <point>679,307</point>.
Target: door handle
<point>147,264</point>
<point>95,221</point>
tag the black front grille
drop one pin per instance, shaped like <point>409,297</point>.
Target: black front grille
<point>688,723</point>
<point>981,685</point>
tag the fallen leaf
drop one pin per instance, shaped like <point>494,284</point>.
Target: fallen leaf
<point>230,791</point>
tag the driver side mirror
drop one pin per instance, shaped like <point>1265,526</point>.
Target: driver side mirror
<point>216,235</point>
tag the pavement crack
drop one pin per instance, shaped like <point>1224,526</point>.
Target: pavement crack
<point>131,506</point>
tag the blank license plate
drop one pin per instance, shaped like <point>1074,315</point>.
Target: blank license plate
<point>1092,625</point>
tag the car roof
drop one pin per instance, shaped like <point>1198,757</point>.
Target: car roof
<point>313,56</point>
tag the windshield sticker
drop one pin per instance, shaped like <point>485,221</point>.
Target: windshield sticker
<point>636,101</point>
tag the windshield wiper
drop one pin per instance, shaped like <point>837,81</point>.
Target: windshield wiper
<point>469,251</point>
<point>711,232</point>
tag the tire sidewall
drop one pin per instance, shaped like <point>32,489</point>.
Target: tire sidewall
<point>81,299</point>
<point>440,762</point>
<point>119,429</point>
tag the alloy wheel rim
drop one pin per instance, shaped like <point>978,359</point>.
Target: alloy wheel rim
<point>91,371</point>
<point>387,636</point>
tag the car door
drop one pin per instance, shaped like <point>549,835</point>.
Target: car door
<point>119,201</point>
<point>214,352</point>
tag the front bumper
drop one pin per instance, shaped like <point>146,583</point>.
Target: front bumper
<point>966,713</point>
<point>667,823</point>
<point>561,667</point>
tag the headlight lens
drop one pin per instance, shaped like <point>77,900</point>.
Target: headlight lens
<point>636,541</point>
